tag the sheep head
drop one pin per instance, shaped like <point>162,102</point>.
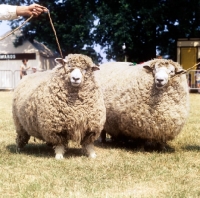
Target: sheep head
<point>163,70</point>
<point>78,67</point>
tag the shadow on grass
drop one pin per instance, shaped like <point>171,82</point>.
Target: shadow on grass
<point>191,147</point>
<point>45,151</point>
<point>42,150</point>
<point>133,146</point>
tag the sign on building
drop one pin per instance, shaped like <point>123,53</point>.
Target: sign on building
<point>18,56</point>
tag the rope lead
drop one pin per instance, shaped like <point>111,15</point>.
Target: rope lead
<point>7,35</point>
<point>57,40</point>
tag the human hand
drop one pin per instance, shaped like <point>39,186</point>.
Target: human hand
<point>34,9</point>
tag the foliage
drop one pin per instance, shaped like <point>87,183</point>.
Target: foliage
<point>73,21</point>
<point>181,19</point>
<point>143,25</point>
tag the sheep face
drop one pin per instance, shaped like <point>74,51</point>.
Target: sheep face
<point>163,70</point>
<point>76,77</point>
<point>162,75</point>
<point>76,73</point>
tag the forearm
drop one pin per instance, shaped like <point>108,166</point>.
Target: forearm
<point>21,11</point>
<point>8,12</point>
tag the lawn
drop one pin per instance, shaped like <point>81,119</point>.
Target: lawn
<point>117,172</point>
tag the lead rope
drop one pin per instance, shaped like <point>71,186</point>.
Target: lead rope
<point>7,35</point>
<point>57,40</point>
<point>186,70</point>
<point>53,31</point>
<point>192,66</point>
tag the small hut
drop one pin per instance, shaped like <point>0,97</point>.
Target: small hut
<point>38,55</point>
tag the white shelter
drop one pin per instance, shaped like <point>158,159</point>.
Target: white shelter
<point>38,55</point>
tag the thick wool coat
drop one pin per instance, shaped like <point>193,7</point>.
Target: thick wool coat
<point>47,107</point>
<point>137,109</point>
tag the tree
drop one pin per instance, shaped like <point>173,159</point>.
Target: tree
<point>73,21</point>
<point>143,25</point>
<point>127,22</point>
<point>181,19</point>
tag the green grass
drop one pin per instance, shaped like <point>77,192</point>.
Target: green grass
<point>117,172</point>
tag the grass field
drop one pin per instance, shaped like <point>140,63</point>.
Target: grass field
<point>117,172</point>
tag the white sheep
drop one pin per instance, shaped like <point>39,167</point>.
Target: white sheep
<point>149,102</point>
<point>60,105</point>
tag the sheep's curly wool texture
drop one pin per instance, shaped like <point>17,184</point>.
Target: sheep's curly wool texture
<point>137,109</point>
<point>47,107</point>
<point>165,63</point>
<point>79,61</point>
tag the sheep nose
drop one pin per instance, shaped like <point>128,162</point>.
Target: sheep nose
<point>75,79</point>
<point>159,80</point>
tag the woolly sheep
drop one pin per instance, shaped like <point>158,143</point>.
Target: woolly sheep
<point>60,105</point>
<point>148,102</point>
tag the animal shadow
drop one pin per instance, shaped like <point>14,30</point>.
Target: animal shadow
<point>43,150</point>
<point>191,147</point>
<point>135,145</point>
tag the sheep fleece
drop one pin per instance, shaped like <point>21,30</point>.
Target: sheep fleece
<point>135,108</point>
<point>46,108</point>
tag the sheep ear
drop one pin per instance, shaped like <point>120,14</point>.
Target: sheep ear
<point>60,60</point>
<point>148,68</point>
<point>95,68</point>
<point>180,71</point>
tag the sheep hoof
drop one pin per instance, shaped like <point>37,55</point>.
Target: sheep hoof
<point>18,150</point>
<point>93,155</point>
<point>59,156</point>
<point>59,151</point>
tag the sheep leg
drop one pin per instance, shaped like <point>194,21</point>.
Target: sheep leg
<point>103,136</point>
<point>21,140</point>
<point>87,144</point>
<point>22,136</point>
<point>59,151</point>
<point>89,150</point>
